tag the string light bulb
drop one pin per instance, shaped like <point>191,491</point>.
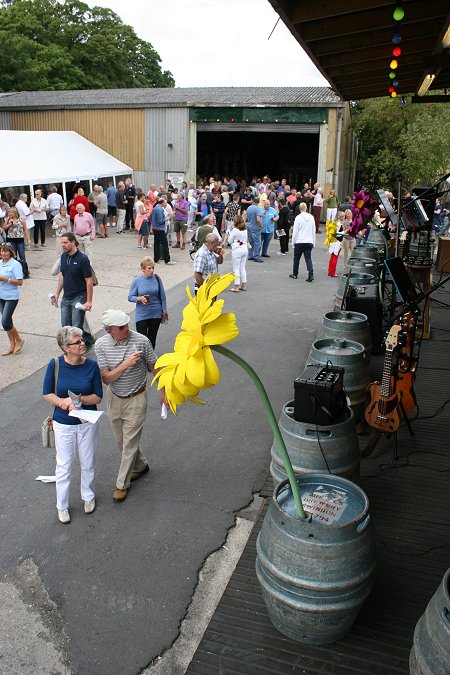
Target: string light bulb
<point>393,64</point>
<point>398,13</point>
<point>393,94</point>
<point>392,75</point>
<point>396,38</point>
<point>396,51</point>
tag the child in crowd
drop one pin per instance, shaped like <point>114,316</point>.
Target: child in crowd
<point>334,236</point>
<point>238,239</point>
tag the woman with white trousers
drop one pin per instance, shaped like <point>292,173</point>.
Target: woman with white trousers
<point>238,238</point>
<point>81,377</point>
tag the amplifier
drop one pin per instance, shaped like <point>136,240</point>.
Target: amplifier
<point>319,396</point>
<point>367,303</point>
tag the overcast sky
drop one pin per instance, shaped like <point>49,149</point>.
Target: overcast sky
<point>212,43</point>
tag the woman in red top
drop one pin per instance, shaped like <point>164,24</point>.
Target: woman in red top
<point>80,198</point>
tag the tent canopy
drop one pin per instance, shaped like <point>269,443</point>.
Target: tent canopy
<point>32,157</point>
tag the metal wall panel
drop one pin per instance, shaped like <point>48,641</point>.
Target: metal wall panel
<point>118,132</point>
<point>165,127</point>
<point>143,179</point>
<point>5,121</point>
<point>260,127</point>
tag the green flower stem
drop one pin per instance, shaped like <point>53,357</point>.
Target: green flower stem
<point>272,421</point>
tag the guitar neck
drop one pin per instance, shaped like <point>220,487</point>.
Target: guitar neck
<point>385,389</point>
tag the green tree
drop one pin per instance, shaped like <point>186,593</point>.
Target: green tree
<point>51,45</point>
<point>410,141</point>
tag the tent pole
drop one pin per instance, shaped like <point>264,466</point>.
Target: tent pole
<point>65,193</point>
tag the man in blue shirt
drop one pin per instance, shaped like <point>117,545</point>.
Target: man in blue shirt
<point>254,225</point>
<point>269,217</point>
<point>112,209</point>
<point>75,278</point>
<point>160,243</point>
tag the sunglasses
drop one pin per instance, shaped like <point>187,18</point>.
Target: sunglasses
<point>77,343</point>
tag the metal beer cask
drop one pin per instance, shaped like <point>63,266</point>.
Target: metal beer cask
<point>366,251</point>
<point>355,279</point>
<point>314,575</point>
<point>346,325</point>
<point>365,265</point>
<point>315,449</point>
<point>351,356</point>
<point>430,654</point>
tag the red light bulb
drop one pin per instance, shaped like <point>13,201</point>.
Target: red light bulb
<point>396,51</point>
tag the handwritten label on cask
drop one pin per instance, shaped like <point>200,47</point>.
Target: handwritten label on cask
<point>325,504</point>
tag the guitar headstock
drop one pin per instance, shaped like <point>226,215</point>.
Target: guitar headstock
<point>392,338</point>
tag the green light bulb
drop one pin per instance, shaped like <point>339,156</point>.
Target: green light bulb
<point>399,13</point>
<point>392,75</point>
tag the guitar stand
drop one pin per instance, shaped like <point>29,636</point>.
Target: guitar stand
<point>405,417</point>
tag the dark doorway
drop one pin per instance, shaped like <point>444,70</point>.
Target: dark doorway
<point>246,154</point>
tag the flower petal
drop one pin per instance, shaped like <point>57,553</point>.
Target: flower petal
<point>212,372</point>
<point>221,330</point>
<point>218,284</point>
<point>195,369</point>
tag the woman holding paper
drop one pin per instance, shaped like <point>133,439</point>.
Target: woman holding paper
<point>80,377</point>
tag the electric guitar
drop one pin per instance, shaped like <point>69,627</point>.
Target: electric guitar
<point>407,365</point>
<point>383,411</point>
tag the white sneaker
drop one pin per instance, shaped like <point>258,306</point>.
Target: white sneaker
<point>64,516</point>
<point>140,246</point>
<point>279,253</point>
<point>89,506</point>
<point>171,262</point>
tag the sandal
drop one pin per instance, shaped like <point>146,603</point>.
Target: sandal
<point>234,290</point>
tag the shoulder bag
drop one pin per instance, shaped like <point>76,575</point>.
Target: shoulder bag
<point>47,432</point>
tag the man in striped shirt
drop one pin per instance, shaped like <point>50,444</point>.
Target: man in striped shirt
<point>124,358</point>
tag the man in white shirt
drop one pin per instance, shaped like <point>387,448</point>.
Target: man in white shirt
<point>304,240</point>
<point>54,203</point>
<point>24,211</point>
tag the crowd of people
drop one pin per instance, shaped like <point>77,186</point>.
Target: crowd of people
<point>211,216</point>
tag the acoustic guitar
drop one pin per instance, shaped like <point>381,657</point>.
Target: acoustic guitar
<point>383,411</point>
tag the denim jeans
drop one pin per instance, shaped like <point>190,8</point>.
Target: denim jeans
<point>255,240</point>
<point>19,250</point>
<point>266,239</point>
<point>75,317</point>
<point>306,250</point>
<point>7,308</point>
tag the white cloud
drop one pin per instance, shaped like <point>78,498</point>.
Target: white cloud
<point>205,43</point>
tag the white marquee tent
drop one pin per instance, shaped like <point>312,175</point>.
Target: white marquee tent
<point>30,158</point>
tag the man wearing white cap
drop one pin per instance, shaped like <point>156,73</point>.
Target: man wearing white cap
<point>124,358</point>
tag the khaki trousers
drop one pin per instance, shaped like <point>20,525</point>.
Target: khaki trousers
<point>127,417</point>
<point>85,246</point>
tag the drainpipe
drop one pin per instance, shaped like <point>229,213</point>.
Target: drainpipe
<point>337,148</point>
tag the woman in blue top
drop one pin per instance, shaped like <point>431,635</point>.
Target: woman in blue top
<point>11,277</point>
<point>80,376</point>
<point>147,291</point>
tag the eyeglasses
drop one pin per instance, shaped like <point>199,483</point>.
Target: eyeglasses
<point>76,344</point>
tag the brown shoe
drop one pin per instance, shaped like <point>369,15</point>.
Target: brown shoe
<point>183,246</point>
<point>177,245</point>
<point>119,495</point>
<point>137,474</point>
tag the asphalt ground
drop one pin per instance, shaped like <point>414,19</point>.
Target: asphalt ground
<point>108,592</point>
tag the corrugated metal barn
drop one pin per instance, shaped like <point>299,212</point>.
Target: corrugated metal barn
<point>292,132</point>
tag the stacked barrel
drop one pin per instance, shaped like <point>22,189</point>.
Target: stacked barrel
<point>344,340</point>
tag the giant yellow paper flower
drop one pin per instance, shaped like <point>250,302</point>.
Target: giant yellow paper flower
<point>191,366</point>
<point>331,229</point>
